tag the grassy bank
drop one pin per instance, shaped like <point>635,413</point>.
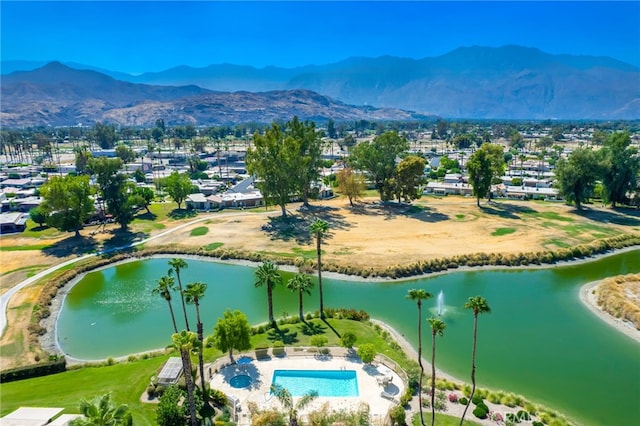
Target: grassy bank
<point>620,297</point>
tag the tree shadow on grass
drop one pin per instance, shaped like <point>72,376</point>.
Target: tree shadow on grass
<point>39,228</point>
<point>182,214</point>
<point>147,216</point>
<point>618,216</point>
<point>122,238</point>
<point>289,228</point>
<point>284,335</point>
<point>72,246</point>
<point>392,209</point>
<point>505,210</point>
<point>312,328</point>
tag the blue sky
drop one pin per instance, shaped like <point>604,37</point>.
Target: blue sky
<point>152,36</point>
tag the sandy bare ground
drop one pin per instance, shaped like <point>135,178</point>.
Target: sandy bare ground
<point>368,235</point>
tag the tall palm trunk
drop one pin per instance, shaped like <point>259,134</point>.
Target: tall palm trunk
<point>173,317</point>
<point>420,359</point>
<point>300,310</point>
<point>270,301</point>
<point>184,306</point>
<point>319,252</point>
<point>433,380</point>
<point>473,367</point>
<point>200,354</point>
<point>186,368</point>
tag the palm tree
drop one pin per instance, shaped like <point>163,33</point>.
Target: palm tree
<point>318,229</point>
<point>437,327</point>
<point>302,284</point>
<point>176,265</point>
<point>193,294</point>
<point>419,295</point>
<point>185,341</point>
<point>268,275</point>
<point>478,305</point>
<point>165,285</point>
<point>101,412</point>
<point>284,396</point>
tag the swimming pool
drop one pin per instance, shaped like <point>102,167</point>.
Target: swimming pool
<point>326,382</point>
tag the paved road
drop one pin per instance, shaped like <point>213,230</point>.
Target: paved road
<point>4,299</point>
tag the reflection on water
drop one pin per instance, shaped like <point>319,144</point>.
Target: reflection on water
<point>538,341</point>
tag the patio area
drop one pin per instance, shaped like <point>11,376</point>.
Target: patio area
<point>379,385</point>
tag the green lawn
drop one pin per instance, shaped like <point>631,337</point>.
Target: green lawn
<point>503,231</point>
<point>441,419</point>
<point>127,381</point>
<point>199,231</point>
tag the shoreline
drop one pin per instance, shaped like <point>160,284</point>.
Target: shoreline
<point>49,340</point>
<point>587,297</point>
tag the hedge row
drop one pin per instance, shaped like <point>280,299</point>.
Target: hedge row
<point>35,370</point>
<point>50,289</point>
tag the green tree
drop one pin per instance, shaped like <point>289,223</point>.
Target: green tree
<point>309,156</point>
<point>478,305</point>
<point>168,412</point>
<point>268,275</point>
<point>178,186</point>
<point>483,166</point>
<point>318,229</point>
<point>232,332</point>
<point>68,202</point>
<point>577,175</point>
<point>408,178</point>
<point>105,135</point>
<point>102,412</point>
<point>418,295</point>
<point>301,284</point>
<point>620,163</point>
<point>192,295</point>
<point>185,341</point>
<point>331,129</point>
<point>114,188</point>
<point>348,339</point>
<point>367,352</point>
<point>378,158</point>
<point>125,153</point>
<point>142,197</point>
<point>164,287</point>
<point>350,184</point>
<point>276,161</point>
<point>437,329</point>
<point>39,215</point>
<point>176,265</point>
<point>83,156</point>
<point>285,398</point>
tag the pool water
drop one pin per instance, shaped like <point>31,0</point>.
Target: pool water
<point>325,382</point>
<point>240,381</point>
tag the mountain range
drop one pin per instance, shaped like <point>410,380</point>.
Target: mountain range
<point>510,82</point>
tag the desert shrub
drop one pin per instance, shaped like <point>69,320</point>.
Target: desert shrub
<point>509,400</point>
<point>268,418</point>
<point>482,393</point>
<point>440,403</point>
<point>398,415</point>
<point>480,412</point>
<point>494,397</point>
<point>530,408</point>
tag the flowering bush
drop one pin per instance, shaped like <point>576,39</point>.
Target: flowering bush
<point>453,397</point>
<point>496,417</point>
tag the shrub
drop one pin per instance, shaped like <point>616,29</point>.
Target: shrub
<point>483,406</point>
<point>537,423</point>
<point>480,413</point>
<point>398,415</point>
<point>463,401</point>
<point>348,339</point>
<point>217,397</point>
<point>453,397</point>
<point>523,415</point>
<point>477,399</point>
<point>31,371</point>
<point>496,417</point>
<point>508,400</point>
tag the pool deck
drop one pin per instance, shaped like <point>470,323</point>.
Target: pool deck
<point>261,371</point>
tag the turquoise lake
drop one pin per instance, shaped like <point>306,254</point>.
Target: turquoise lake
<point>539,341</point>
